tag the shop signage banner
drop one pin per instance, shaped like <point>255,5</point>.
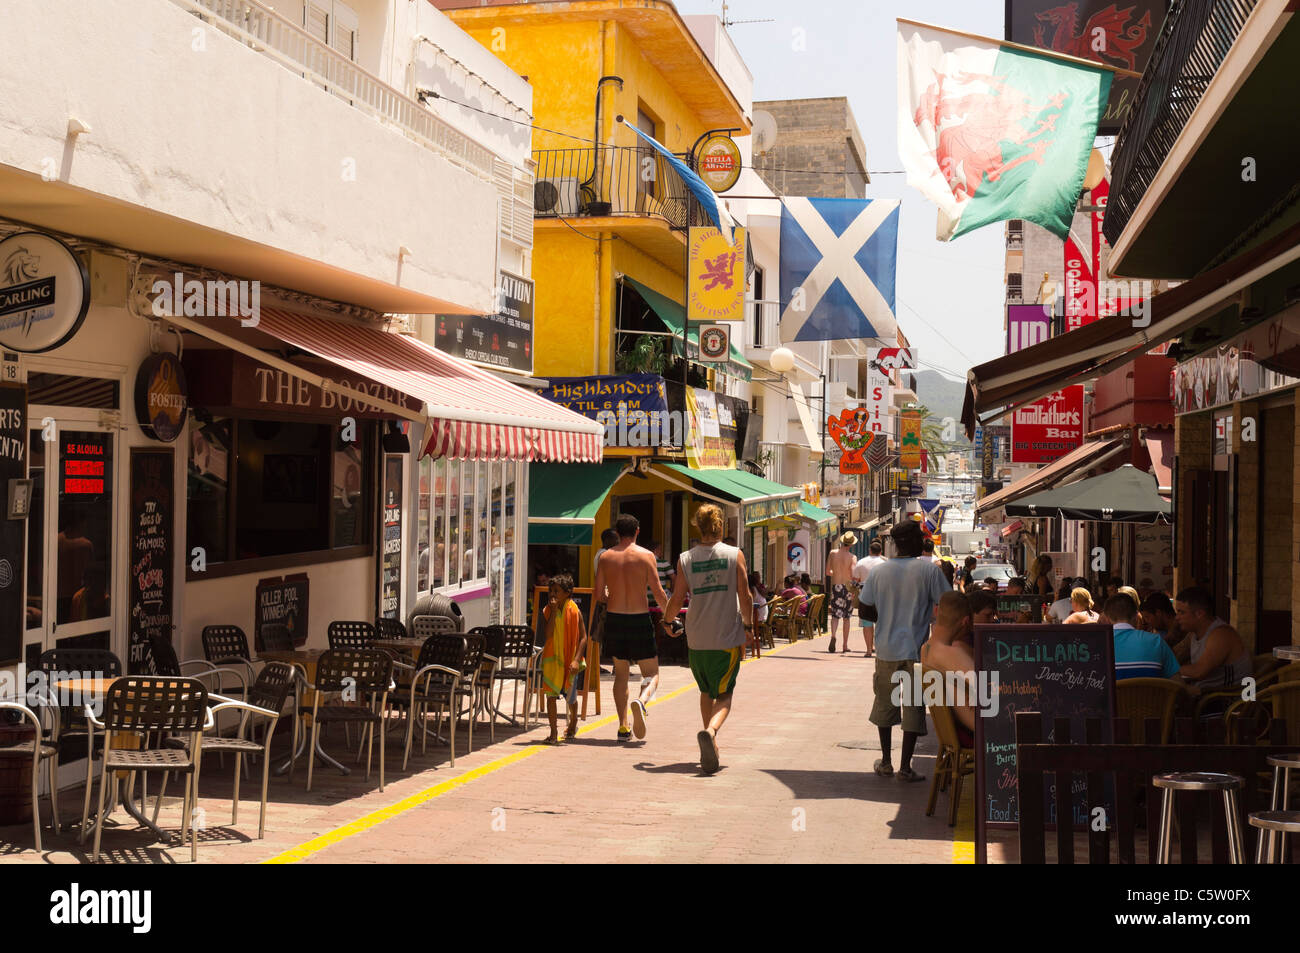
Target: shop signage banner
<point>850,430</point>
<point>909,454</point>
<point>504,339</point>
<point>711,438</point>
<point>715,343</point>
<point>1117,34</point>
<point>44,292</point>
<point>153,541</point>
<point>1027,325</point>
<point>1080,287</point>
<point>719,162</point>
<point>1048,428</point>
<point>986,458</point>
<point>1261,359</point>
<point>282,601</point>
<point>390,583</point>
<point>13,555</point>
<point>591,395</point>
<point>715,283</point>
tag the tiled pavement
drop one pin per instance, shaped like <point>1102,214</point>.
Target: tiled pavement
<point>790,790</point>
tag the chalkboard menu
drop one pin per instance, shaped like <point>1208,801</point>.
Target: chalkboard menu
<point>1061,671</point>
<point>13,466</point>
<point>153,534</point>
<point>282,601</point>
<point>390,586</point>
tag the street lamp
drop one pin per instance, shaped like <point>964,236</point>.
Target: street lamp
<point>782,360</point>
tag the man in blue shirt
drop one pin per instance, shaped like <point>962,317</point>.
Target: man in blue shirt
<point>1138,654</point>
<point>899,596</point>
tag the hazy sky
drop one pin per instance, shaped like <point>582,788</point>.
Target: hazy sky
<point>949,294</point>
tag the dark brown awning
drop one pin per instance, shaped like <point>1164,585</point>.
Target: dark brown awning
<point>998,386</point>
<point>1075,463</point>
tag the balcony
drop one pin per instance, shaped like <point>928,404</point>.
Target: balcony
<point>612,181</point>
<point>1205,117</point>
<point>763,320</point>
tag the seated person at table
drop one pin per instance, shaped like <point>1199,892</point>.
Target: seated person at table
<point>792,590</point>
<point>991,585</point>
<point>983,608</point>
<point>1158,617</point>
<point>948,650</point>
<point>759,593</point>
<point>1138,654</point>
<point>562,656</point>
<point>1081,603</point>
<point>1015,586</point>
<point>1060,610</point>
<point>1219,658</point>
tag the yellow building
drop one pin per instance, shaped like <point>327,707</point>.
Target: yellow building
<point>610,221</point>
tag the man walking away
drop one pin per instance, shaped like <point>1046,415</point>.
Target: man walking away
<point>839,573</point>
<point>720,613</point>
<point>860,571</point>
<point>900,595</point>
<point>624,574</point>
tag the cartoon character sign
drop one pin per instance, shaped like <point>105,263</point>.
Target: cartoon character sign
<point>851,432</point>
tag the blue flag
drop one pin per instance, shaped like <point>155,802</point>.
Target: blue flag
<point>718,215</point>
<point>838,259</point>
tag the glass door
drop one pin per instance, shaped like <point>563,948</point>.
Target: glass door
<point>70,542</point>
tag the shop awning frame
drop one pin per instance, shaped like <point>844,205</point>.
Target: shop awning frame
<point>673,316</point>
<point>998,386</point>
<point>520,425</point>
<point>1124,495</point>
<point>1084,457</point>
<point>561,521</point>
<point>735,488</point>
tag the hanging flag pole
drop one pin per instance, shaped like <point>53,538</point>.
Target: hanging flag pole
<point>1024,48</point>
<point>716,211</point>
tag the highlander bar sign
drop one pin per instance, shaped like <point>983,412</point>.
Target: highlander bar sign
<point>1047,429</point>
<point>44,292</point>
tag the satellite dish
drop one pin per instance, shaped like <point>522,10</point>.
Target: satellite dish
<point>1096,169</point>
<point>764,132</point>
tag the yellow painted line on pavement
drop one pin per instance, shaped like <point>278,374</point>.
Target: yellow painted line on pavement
<point>963,835</point>
<point>374,818</point>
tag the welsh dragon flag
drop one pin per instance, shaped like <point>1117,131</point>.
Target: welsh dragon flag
<point>990,133</point>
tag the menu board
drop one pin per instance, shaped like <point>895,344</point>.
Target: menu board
<point>153,535</point>
<point>1060,671</point>
<point>390,585</point>
<point>282,601</point>
<point>13,467</point>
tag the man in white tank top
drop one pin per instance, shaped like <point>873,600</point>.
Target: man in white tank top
<point>719,616</point>
<point>1219,659</point>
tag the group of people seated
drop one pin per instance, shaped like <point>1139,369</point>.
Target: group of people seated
<point>1179,639</point>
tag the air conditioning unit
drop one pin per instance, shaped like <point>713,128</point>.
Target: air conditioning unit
<point>554,198</point>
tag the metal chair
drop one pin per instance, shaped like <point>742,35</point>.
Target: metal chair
<point>1273,826</point>
<point>475,648</point>
<point>1227,784</point>
<point>146,705</point>
<point>390,629</point>
<point>358,672</point>
<point>516,661</point>
<point>423,626</point>
<point>227,645</point>
<point>351,635</point>
<point>40,750</point>
<point>266,698</point>
<point>275,638</point>
<point>494,645</point>
<point>437,680</point>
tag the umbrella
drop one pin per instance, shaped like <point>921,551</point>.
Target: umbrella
<point>1125,495</point>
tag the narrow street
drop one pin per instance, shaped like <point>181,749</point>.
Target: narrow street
<point>796,786</point>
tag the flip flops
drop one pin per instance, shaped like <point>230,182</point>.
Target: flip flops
<point>909,776</point>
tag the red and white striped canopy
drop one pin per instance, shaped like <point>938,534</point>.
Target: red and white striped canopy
<point>472,415</point>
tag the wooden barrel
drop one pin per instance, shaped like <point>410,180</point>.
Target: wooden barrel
<point>15,775</point>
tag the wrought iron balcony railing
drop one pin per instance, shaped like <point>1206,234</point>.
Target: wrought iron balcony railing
<point>1195,39</point>
<point>611,180</point>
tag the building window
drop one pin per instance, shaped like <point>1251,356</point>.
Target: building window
<point>1015,291</point>
<point>283,491</point>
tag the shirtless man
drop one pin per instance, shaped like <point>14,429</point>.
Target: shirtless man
<point>623,574</point>
<point>948,650</point>
<point>839,574</point>
<point>1218,656</point>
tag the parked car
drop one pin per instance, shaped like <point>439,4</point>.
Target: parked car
<point>999,571</point>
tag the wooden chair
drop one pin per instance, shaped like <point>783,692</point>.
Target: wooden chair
<point>955,761</point>
<point>810,625</point>
<point>1138,699</point>
<point>783,617</point>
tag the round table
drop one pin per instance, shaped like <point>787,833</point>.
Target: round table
<point>304,662</point>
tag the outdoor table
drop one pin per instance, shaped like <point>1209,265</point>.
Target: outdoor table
<point>94,690</point>
<point>1289,652</point>
<point>304,662</point>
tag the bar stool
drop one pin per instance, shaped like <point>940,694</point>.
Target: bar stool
<point>1276,824</point>
<point>1229,784</point>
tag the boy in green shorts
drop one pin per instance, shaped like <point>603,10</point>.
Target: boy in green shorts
<point>720,613</point>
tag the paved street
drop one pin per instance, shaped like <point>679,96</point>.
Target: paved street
<point>796,786</point>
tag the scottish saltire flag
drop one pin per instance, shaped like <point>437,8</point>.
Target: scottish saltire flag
<point>990,133</point>
<point>931,514</point>
<point>716,211</point>
<point>838,259</point>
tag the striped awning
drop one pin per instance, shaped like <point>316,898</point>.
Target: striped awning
<point>471,414</point>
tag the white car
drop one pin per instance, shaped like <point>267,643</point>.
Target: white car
<point>999,571</point>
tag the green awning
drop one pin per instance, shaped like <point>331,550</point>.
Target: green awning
<point>563,499</point>
<point>759,498</point>
<point>673,315</point>
<point>824,520</point>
